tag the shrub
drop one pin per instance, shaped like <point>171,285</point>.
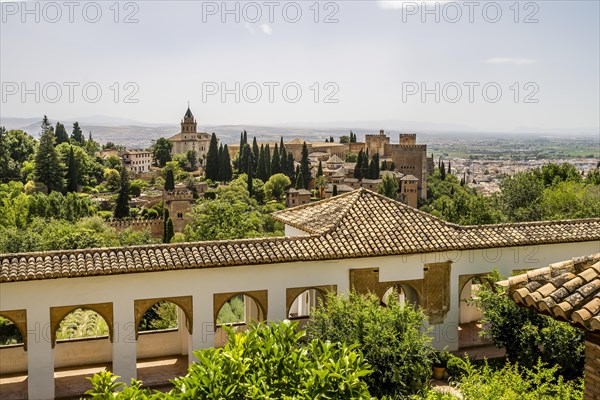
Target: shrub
<point>392,339</point>
<point>265,362</point>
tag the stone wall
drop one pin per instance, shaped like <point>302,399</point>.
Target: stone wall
<point>592,367</point>
<point>154,225</point>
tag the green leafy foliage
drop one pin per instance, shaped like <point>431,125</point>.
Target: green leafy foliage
<point>527,335</point>
<point>265,362</point>
<point>162,315</point>
<point>82,323</point>
<point>9,333</point>
<point>233,311</point>
<point>392,339</point>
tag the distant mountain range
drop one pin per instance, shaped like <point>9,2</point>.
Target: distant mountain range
<point>137,134</point>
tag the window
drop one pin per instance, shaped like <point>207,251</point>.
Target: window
<point>180,215</point>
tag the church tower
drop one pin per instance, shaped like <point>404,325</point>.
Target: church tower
<point>188,123</point>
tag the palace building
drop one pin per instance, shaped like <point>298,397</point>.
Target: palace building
<point>190,139</point>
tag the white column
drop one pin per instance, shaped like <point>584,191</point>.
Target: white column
<point>124,357</point>
<point>40,355</point>
<point>204,328</point>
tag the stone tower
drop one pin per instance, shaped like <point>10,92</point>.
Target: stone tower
<point>409,189</point>
<point>375,144</point>
<point>179,202</point>
<point>188,123</point>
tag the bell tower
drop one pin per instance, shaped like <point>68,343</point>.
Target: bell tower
<point>188,123</point>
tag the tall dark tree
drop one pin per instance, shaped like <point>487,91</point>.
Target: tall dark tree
<point>268,162</point>
<point>282,152</point>
<point>169,231</point>
<point>161,152</point>
<point>192,159</point>
<point>71,172</point>
<point>364,170</point>
<point>5,158</point>
<point>384,166</point>
<point>290,171</point>
<point>255,155</point>
<point>392,166</point>
<point>48,169</point>
<point>249,168</point>
<point>320,169</point>
<point>275,163</point>
<point>443,171</point>
<point>335,191</point>
<point>305,165</point>
<point>166,218</point>
<point>300,180</point>
<point>225,169</point>
<point>261,170</point>
<point>77,134</point>
<point>449,168</point>
<point>212,159</point>
<point>245,155</point>
<point>374,167</point>
<point>169,180</point>
<point>358,165</point>
<point>122,206</point>
<point>61,133</point>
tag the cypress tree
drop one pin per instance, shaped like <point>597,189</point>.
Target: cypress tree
<point>169,233</point>
<point>226,168</point>
<point>255,155</point>
<point>364,171</point>
<point>122,206</point>
<point>243,159</point>
<point>220,162</point>
<point>358,165</point>
<point>300,180</point>
<point>268,162</point>
<point>261,168</point>
<point>449,168</point>
<point>331,139</point>
<point>249,168</point>
<point>71,172</point>
<point>212,159</point>
<point>282,152</point>
<point>245,137</point>
<point>305,165</point>
<point>48,169</point>
<point>384,165</point>
<point>320,169</point>
<point>290,166</point>
<point>275,163</point>
<point>335,192</point>
<point>77,134</point>
<point>443,171</point>
<point>61,133</point>
<point>169,180</point>
<point>374,167</point>
<point>392,166</point>
<point>165,219</point>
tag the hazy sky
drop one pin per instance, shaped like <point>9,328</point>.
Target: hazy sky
<point>374,58</point>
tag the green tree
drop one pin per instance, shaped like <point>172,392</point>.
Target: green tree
<point>169,180</point>
<point>212,159</point>
<point>122,203</point>
<point>48,169</point>
<point>374,167</point>
<point>334,191</point>
<point>358,166</point>
<point>305,166</point>
<point>5,160</point>
<point>392,339</point>
<point>169,233</point>
<point>275,161</point>
<point>276,185</point>
<point>299,180</point>
<point>250,180</point>
<point>389,186</point>
<point>320,169</point>
<point>225,168</point>
<point>61,133</point>
<point>290,171</point>
<point>166,218</point>
<point>77,135</point>
<point>72,178</point>
<point>161,152</point>
<point>344,139</point>
<point>192,159</point>
<point>256,156</point>
<point>520,197</point>
<point>443,171</point>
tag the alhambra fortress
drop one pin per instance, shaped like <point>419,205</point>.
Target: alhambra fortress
<point>358,240</point>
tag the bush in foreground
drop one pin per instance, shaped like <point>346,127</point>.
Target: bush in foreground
<point>392,339</point>
<point>265,362</point>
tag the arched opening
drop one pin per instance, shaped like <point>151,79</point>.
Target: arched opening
<point>13,360</point>
<point>302,306</point>
<point>82,348</point>
<point>469,314</point>
<point>237,312</point>
<point>405,294</point>
<point>162,340</point>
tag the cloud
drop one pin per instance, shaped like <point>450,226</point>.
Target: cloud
<point>399,4</point>
<point>266,28</point>
<point>510,60</point>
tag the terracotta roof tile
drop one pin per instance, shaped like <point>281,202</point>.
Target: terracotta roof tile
<point>356,224</point>
<point>569,290</point>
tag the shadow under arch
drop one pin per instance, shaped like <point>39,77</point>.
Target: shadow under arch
<point>19,319</point>
<point>406,292</point>
<point>185,303</point>
<point>260,297</point>
<point>58,314</point>
<point>291,294</point>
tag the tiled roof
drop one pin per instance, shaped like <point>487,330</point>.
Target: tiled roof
<point>356,224</point>
<point>334,160</point>
<point>567,291</point>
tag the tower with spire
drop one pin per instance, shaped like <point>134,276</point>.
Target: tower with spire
<point>190,139</point>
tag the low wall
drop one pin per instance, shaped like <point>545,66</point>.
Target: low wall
<point>69,353</point>
<point>155,225</point>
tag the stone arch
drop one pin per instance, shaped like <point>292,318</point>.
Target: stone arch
<point>412,293</point>
<point>183,302</point>
<point>292,293</point>
<point>464,279</point>
<point>261,297</point>
<point>19,318</point>
<point>57,314</point>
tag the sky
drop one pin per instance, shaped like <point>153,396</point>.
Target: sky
<point>490,66</point>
